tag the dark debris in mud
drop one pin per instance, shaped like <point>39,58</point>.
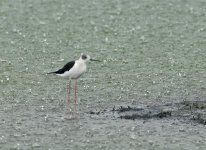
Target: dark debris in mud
<point>200,118</point>
<point>146,116</point>
<point>186,110</point>
<point>142,113</point>
<point>124,109</point>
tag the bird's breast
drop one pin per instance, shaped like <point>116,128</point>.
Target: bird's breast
<point>81,67</point>
<point>77,70</point>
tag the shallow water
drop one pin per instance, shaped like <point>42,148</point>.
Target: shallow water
<point>152,52</point>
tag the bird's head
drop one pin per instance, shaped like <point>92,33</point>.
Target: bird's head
<point>86,58</point>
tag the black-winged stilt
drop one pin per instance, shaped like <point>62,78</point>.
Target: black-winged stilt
<point>73,70</point>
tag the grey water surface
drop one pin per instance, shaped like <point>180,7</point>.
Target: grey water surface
<point>153,60</point>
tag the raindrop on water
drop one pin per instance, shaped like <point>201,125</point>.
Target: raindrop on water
<point>35,145</point>
<point>132,136</point>
<point>92,22</point>
<point>42,22</point>
<point>14,30</point>
<point>46,118</point>
<point>142,38</point>
<point>2,60</point>
<point>61,60</point>
<point>133,128</point>
<point>18,145</point>
<point>42,107</point>
<point>106,39</point>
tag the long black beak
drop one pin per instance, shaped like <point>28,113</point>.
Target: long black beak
<point>95,60</point>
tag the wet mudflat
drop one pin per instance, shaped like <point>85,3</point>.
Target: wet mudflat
<point>147,93</point>
<point>186,111</point>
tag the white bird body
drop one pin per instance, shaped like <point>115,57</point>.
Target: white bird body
<point>76,71</point>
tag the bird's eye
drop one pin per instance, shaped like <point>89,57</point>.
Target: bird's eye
<point>84,57</point>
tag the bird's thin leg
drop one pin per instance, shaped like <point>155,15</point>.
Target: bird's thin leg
<point>75,95</point>
<point>69,95</point>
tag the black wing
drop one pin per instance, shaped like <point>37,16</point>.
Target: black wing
<point>66,67</point>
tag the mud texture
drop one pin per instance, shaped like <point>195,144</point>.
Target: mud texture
<point>185,111</point>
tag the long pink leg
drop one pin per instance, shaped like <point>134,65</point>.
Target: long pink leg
<point>75,95</point>
<point>69,95</point>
